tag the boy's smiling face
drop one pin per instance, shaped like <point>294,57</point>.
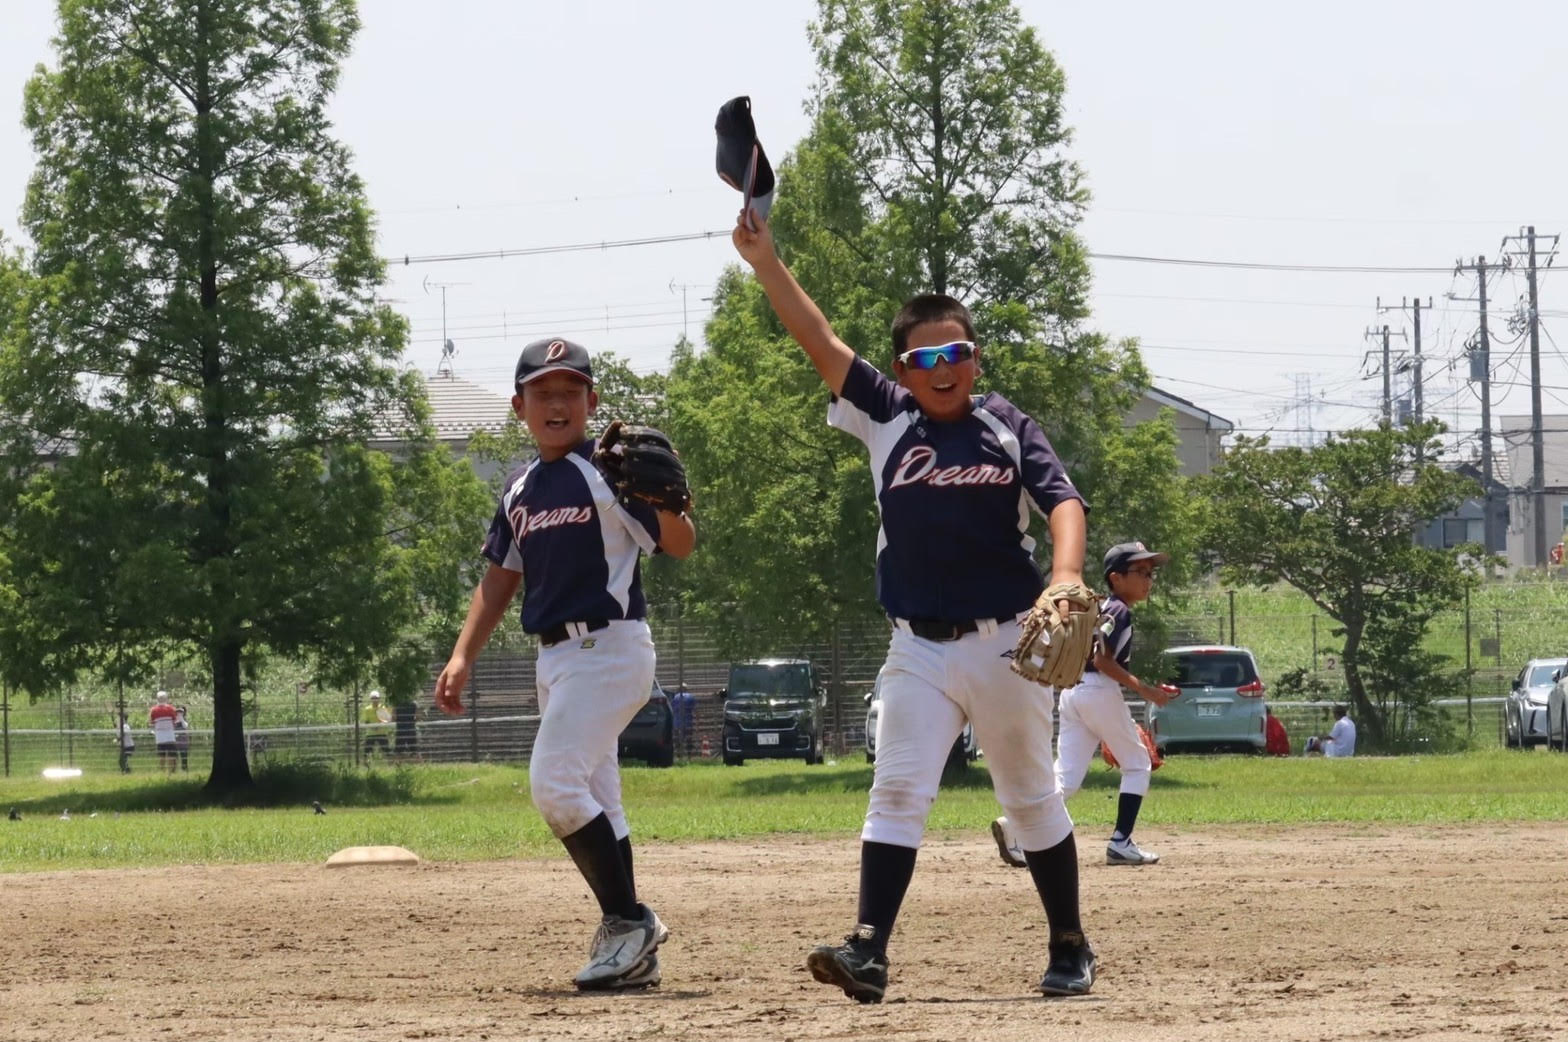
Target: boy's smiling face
<point>942,393</point>
<point>555,407</point>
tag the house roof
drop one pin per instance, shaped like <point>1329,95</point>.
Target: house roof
<point>1180,404</point>
<point>459,408</point>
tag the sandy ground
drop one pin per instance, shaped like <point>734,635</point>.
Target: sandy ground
<point>1299,934</point>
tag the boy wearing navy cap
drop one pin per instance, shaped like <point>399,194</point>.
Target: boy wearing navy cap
<point>1094,711</point>
<point>955,476</point>
<point>561,533</point>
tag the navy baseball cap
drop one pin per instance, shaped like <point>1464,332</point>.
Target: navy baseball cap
<point>1118,557</point>
<point>552,355</point>
<point>739,157</point>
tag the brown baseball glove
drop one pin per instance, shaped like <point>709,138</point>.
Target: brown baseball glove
<point>1054,648</point>
<point>1155,759</point>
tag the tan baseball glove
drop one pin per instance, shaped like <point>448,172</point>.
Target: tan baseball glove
<point>1053,648</point>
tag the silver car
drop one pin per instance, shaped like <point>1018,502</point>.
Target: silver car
<point>1218,703</point>
<point>1524,716</point>
<point>1557,715</point>
<point>963,752</point>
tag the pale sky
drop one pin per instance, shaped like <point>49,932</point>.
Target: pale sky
<point>1397,134</point>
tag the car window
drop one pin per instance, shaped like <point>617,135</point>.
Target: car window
<point>771,680</point>
<point>1217,669</point>
<point>1541,676</point>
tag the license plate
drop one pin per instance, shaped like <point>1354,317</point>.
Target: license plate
<point>1204,710</point>
<point>767,739</point>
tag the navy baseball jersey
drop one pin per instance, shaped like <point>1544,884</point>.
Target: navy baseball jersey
<point>559,524</point>
<point>954,499</point>
<point>1116,629</point>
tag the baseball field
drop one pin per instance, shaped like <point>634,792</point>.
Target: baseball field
<point>1376,898</point>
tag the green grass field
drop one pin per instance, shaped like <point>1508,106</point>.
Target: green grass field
<point>469,812</point>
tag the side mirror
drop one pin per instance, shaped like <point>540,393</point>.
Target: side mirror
<point>1557,675</point>
<point>724,692</point>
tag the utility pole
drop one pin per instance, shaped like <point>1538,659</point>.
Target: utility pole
<point>1481,372</point>
<point>1388,390</point>
<point>1537,434</point>
<point>1414,307</point>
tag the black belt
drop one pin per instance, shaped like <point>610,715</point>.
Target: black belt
<point>936,629</point>
<point>556,634</point>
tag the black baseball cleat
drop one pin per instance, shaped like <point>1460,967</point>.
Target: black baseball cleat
<point>858,965</point>
<point>1071,971</point>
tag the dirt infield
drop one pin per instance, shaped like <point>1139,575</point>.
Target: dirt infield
<point>1299,934</point>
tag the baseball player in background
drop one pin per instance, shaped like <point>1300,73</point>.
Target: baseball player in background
<point>561,532</point>
<point>955,475</point>
<point>1094,711</point>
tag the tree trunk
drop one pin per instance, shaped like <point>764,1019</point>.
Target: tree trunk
<point>230,766</point>
<point>1367,715</point>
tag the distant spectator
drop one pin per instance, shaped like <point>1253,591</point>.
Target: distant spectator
<point>1275,741</point>
<point>1341,738</point>
<point>127,745</point>
<point>161,716</point>
<point>376,722</point>
<point>182,737</point>
<point>683,707</point>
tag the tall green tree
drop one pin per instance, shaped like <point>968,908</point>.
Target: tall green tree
<point>205,338</point>
<point>937,160</point>
<point>1338,521</point>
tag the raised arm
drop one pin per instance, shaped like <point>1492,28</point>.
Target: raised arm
<point>795,309</point>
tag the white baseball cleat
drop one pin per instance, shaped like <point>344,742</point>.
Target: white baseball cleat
<point>1126,852</point>
<point>1011,850</point>
<point>643,975</point>
<point>619,946</point>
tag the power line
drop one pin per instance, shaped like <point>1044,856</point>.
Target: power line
<point>1129,258</point>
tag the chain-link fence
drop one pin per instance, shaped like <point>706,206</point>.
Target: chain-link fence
<point>294,721</point>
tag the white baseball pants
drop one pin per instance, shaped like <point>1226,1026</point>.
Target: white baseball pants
<point>590,687</point>
<point>1091,713</point>
<point>928,689</point>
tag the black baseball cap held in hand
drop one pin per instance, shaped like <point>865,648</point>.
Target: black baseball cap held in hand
<point>739,158</point>
<point>552,355</point>
<point>1118,557</point>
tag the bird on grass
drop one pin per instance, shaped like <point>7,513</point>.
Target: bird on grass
<point>14,816</point>
<point>318,807</point>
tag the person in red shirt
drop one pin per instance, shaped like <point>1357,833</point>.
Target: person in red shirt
<point>161,716</point>
<point>1275,741</point>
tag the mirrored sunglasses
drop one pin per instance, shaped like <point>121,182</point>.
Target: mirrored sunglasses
<point>928,357</point>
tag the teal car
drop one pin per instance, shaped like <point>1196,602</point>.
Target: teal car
<point>1218,704</point>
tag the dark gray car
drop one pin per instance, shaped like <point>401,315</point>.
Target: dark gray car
<point>651,734</point>
<point>773,708</point>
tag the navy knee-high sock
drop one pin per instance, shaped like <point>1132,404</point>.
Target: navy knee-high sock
<point>1055,874</point>
<point>597,854</point>
<point>885,872</point>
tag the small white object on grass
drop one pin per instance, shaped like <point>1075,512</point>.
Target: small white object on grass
<point>352,856</point>
<point>62,772</point>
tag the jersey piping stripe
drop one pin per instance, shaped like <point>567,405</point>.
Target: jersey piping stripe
<point>611,515</point>
<point>1010,445</point>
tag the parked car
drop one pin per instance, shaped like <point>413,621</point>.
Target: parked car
<point>773,708</point>
<point>651,734</point>
<point>1218,704</point>
<point>1557,714</point>
<point>1524,715</point>
<point>963,752</point>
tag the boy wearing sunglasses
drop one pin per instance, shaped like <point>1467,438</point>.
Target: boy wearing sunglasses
<point>955,476</point>
<point>1094,711</point>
